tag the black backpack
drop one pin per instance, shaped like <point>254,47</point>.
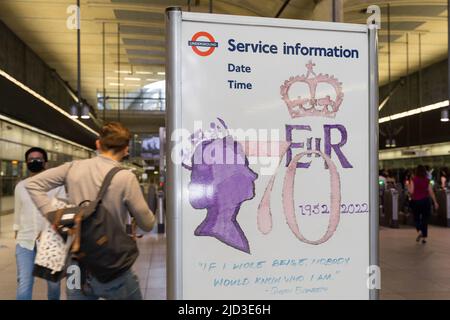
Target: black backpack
<point>101,243</point>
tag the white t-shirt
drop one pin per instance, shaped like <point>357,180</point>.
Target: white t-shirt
<point>28,221</point>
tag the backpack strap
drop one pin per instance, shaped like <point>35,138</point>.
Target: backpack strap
<point>107,181</point>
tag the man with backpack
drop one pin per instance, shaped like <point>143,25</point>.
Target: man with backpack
<point>104,275</point>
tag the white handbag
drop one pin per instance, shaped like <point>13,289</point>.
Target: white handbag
<point>52,251</point>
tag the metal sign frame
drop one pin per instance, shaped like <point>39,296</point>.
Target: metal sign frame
<point>174,18</point>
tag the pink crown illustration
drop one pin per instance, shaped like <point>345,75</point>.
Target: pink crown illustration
<point>312,105</point>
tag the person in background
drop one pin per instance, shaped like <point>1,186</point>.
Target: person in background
<point>124,198</point>
<point>429,172</point>
<point>382,177</point>
<point>407,178</point>
<point>407,182</point>
<point>444,178</point>
<point>390,179</point>
<point>152,196</point>
<point>28,224</point>
<point>421,193</point>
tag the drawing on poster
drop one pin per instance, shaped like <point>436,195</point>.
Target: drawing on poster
<point>304,107</point>
<point>313,106</point>
<point>221,180</point>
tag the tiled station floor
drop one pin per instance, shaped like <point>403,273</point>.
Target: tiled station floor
<point>409,270</point>
<point>150,266</point>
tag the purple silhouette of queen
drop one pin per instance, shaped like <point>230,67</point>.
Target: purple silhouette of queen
<point>221,181</point>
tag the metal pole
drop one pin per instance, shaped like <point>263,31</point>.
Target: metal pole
<point>210,6</point>
<point>390,134</point>
<point>173,121</point>
<point>283,6</point>
<point>118,72</point>
<point>334,11</point>
<point>79,50</point>
<point>104,74</point>
<point>393,193</point>
<point>373,152</point>
<point>389,45</point>
<point>161,223</point>
<point>1,206</point>
<point>123,101</point>
<point>408,83</point>
<point>420,88</point>
<point>162,153</point>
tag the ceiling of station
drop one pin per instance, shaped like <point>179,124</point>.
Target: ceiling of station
<point>42,25</point>
<point>409,20</point>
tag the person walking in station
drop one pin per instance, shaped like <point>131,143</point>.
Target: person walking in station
<point>421,193</point>
<point>444,178</point>
<point>123,197</point>
<point>28,224</point>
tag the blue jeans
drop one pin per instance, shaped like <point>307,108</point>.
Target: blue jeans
<point>25,280</point>
<point>422,213</point>
<point>125,287</point>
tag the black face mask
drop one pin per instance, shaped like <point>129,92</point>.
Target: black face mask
<point>35,166</point>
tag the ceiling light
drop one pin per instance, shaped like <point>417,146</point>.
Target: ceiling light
<point>41,98</point>
<point>388,143</point>
<point>132,79</point>
<point>435,106</point>
<point>116,84</point>
<point>74,111</point>
<point>161,73</point>
<point>427,108</point>
<point>144,72</point>
<point>85,112</point>
<point>151,79</point>
<point>393,143</point>
<point>44,133</point>
<point>444,115</point>
<point>123,71</point>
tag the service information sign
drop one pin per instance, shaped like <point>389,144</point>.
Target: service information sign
<point>275,159</point>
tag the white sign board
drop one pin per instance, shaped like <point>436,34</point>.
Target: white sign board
<point>274,196</point>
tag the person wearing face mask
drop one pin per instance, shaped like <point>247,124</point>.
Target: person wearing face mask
<point>28,224</point>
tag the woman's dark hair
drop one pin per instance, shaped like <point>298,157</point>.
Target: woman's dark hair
<point>114,136</point>
<point>421,171</point>
<point>36,149</point>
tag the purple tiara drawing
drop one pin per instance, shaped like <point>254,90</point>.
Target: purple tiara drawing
<point>220,187</point>
<point>312,105</point>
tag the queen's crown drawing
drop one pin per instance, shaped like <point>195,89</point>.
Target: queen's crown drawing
<point>312,105</point>
<point>215,131</point>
